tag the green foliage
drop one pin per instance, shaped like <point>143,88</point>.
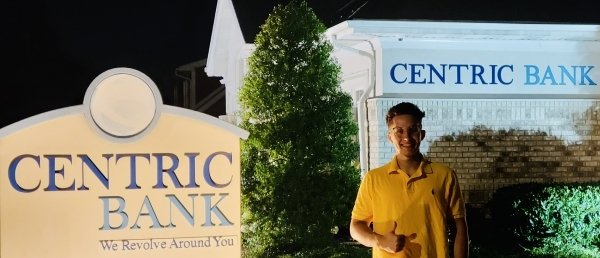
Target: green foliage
<point>335,251</point>
<point>299,174</point>
<point>557,220</point>
<point>514,215</point>
<point>487,252</point>
<point>572,215</point>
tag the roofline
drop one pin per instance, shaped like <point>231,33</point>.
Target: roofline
<point>190,66</point>
<point>403,28</point>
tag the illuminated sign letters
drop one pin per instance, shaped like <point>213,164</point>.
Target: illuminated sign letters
<point>496,69</point>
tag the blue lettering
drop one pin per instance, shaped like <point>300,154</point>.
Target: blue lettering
<point>393,73</point>
<point>441,77</point>
<point>432,74</point>
<point>119,211</point>
<point>59,171</point>
<point>186,214</point>
<point>12,173</point>
<point>192,158</point>
<point>494,74</point>
<point>458,71</point>
<point>170,171</point>
<point>85,160</point>
<point>500,78</point>
<point>52,171</point>
<point>531,72</point>
<point>415,71</point>
<point>132,167</point>
<point>548,76</point>
<point>477,72</point>
<point>585,76</point>
<point>567,76</point>
<point>571,76</point>
<point>150,212</point>
<point>207,175</point>
<point>209,209</point>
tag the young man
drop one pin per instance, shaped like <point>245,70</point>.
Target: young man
<point>402,208</point>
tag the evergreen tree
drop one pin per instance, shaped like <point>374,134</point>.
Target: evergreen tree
<point>299,173</point>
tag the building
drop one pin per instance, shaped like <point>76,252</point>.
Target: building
<point>196,91</point>
<point>505,103</point>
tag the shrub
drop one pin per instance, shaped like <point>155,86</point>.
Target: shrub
<point>513,216</point>
<point>299,174</point>
<point>562,220</point>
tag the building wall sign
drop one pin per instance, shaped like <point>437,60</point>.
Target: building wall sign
<point>120,176</point>
<point>492,67</point>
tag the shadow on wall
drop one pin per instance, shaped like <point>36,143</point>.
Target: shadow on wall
<point>485,159</point>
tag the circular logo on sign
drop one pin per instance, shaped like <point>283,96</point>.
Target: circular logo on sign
<point>122,103</point>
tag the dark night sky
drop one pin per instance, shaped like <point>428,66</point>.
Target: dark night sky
<point>55,49</point>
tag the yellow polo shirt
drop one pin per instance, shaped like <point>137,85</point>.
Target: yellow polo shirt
<point>420,204</point>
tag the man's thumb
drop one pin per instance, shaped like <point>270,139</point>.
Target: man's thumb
<point>394,228</point>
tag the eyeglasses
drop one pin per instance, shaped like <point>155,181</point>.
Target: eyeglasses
<point>412,131</point>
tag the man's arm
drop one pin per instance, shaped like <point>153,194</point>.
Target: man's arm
<point>360,231</point>
<point>461,241</point>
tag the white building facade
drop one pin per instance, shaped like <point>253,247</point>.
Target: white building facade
<point>504,103</point>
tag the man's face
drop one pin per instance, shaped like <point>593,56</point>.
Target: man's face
<point>405,133</point>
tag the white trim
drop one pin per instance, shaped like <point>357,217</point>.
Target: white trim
<point>361,101</point>
<point>75,110</point>
<point>468,30</point>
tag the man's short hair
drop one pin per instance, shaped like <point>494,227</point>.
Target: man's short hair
<point>404,108</point>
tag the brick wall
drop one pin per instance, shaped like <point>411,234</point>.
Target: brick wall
<point>495,143</point>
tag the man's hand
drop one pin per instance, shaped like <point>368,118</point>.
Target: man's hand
<point>393,243</point>
<point>389,242</point>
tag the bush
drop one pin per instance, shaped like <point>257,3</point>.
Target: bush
<point>514,215</point>
<point>299,174</point>
<point>562,220</point>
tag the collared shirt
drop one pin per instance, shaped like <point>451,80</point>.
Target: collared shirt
<point>418,205</point>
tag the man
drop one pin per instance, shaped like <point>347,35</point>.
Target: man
<point>402,208</point>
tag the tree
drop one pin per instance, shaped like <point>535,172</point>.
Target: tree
<point>299,173</point>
